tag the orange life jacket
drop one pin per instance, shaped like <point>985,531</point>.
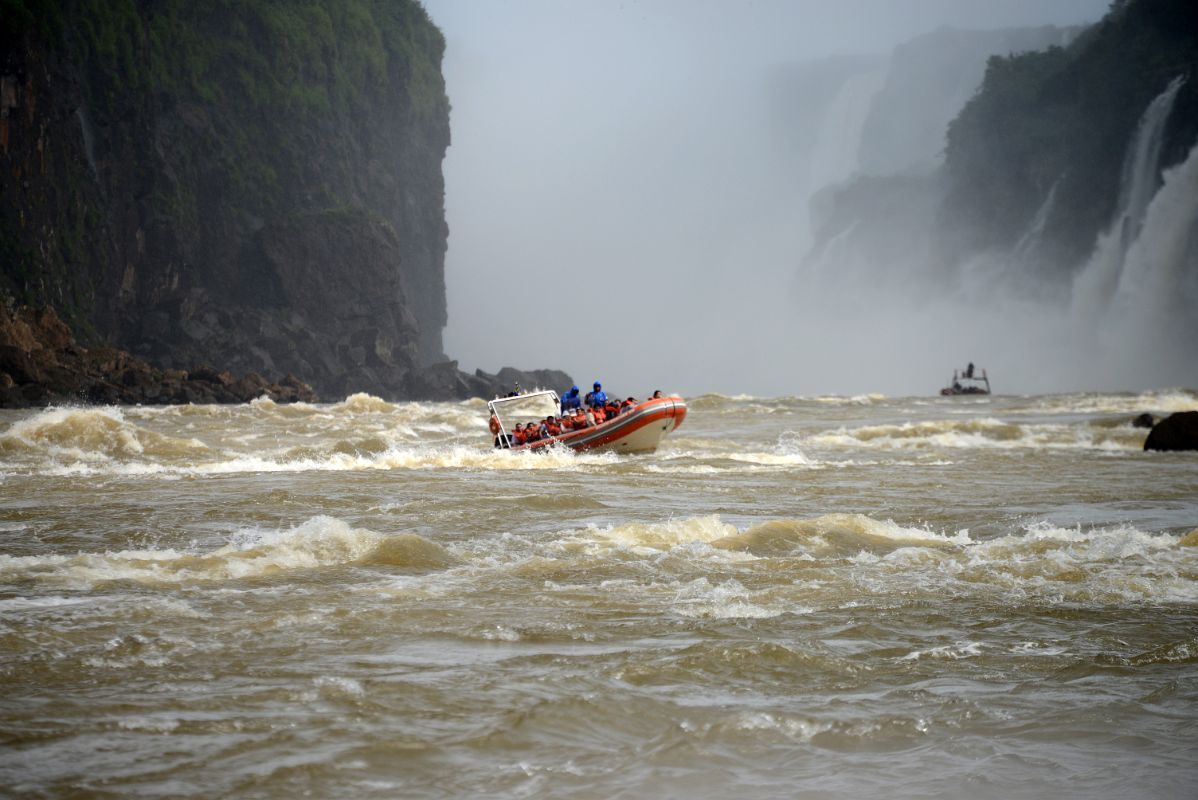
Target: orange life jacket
<point>554,428</point>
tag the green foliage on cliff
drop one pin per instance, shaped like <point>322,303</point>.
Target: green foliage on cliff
<point>18,17</point>
<point>263,71</point>
<point>1065,117</point>
<point>313,56</point>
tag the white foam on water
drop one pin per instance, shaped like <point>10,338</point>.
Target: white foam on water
<point>984,433</point>
<point>656,537</point>
<point>339,688</point>
<point>250,553</point>
<point>13,604</point>
<point>692,469</point>
<point>364,403</point>
<point>954,652</point>
<point>852,400</point>
<point>395,457</point>
<point>773,459</point>
<point>90,435</point>
<point>148,724</point>
<point>1075,565</point>
<point>800,730</point>
<point>1057,565</point>
<point>1159,401</point>
<point>699,599</point>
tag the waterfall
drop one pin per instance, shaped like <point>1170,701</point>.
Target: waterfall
<point>89,140</point>
<point>1096,283</point>
<point>1029,244</point>
<point>1139,181</point>
<point>1159,279</point>
<point>834,156</point>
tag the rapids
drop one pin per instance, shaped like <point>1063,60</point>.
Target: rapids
<point>830,597</point>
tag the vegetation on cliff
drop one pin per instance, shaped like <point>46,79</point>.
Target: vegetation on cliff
<point>1060,121</point>
<point>154,152</point>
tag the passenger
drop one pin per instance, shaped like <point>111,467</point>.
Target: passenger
<point>571,400</point>
<point>656,394</point>
<point>627,405</point>
<point>580,419</point>
<point>598,415</point>
<point>611,409</point>
<point>518,436</point>
<point>532,433</point>
<point>566,423</point>
<point>552,428</point>
<point>596,397</point>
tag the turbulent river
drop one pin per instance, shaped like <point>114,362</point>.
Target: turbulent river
<point>823,597</point>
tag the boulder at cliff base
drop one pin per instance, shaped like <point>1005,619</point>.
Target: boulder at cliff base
<point>1175,432</point>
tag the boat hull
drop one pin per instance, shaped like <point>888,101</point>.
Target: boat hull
<point>637,431</point>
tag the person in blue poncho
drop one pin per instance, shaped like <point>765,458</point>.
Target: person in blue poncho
<point>597,397</point>
<point>571,400</point>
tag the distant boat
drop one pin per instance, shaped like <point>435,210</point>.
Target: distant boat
<point>967,381</point>
<point>638,429</point>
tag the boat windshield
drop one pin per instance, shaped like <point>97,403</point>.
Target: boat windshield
<point>524,408</point>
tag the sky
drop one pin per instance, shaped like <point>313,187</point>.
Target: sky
<point>621,207</point>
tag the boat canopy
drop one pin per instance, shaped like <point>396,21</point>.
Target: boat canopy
<point>524,408</point>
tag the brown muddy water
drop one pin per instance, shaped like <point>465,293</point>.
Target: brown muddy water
<point>823,597</point>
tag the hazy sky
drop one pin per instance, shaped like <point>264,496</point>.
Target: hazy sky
<point>619,206</point>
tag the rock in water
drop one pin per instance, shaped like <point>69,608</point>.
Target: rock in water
<point>1143,421</point>
<point>1175,432</point>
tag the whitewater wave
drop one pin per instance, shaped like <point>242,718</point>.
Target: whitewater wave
<point>988,433</point>
<point>91,434</point>
<point>251,553</point>
<point>1164,401</point>
<point>843,560</point>
<point>86,442</point>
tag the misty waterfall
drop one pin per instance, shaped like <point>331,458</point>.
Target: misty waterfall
<point>1099,280</point>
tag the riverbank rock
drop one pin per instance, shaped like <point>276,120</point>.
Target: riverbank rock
<point>1175,432</point>
<point>444,381</point>
<point>41,364</point>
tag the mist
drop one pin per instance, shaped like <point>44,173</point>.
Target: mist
<point>630,198</point>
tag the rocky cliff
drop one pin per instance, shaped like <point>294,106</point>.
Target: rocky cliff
<point>1050,130</point>
<point>928,80</point>
<point>41,363</point>
<point>254,185</point>
<point>1034,164</point>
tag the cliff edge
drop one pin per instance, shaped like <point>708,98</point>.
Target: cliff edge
<point>253,185</point>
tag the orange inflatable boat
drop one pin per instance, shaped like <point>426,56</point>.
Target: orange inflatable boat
<point>638,428</point>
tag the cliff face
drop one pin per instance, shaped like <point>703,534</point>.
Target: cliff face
<point>1049,130</point>
<point>253,185</point>
<point>928,80</point>
<point>1035,162</point>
